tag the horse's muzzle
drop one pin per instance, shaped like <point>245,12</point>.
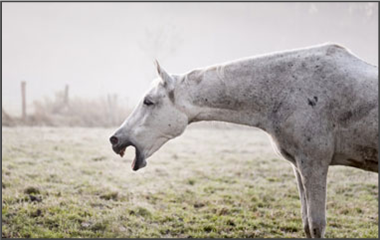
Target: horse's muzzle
<point>119,148</point>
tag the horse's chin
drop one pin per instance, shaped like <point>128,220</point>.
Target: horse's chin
<point>139,161</point>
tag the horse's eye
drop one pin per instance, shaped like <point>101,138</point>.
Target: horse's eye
<point>148,102</point>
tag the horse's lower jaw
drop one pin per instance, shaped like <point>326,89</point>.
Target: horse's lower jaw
<point>136,166</point>
<point>139,161</point>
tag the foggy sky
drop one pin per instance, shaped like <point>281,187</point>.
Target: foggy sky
<point>102,48</point>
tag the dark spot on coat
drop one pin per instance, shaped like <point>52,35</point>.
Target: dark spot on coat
<point>171,96</point>
<point>312,102</point>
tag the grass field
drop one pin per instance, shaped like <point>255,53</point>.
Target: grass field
<point>67,182</point>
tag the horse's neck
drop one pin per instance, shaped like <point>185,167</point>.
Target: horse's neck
<point>241,92</point>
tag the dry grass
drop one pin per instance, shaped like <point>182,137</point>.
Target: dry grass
<point>66,182</point>
<point>79,112</point>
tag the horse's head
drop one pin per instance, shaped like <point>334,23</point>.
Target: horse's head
<point>156,119</point>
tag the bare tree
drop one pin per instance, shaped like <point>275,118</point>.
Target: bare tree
<point>160,42</point>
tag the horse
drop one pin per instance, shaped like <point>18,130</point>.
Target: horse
<point>318,104</point>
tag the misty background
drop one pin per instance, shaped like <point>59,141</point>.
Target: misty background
<point>104,51</point>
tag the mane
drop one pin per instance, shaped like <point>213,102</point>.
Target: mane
<point>196,75</point>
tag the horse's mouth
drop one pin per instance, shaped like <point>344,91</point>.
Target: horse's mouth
<point>139,160</point>
<point>122,151</point>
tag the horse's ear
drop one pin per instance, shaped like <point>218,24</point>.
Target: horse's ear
<point>168,81</point>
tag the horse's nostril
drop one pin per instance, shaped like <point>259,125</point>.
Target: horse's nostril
<point>114,140</point>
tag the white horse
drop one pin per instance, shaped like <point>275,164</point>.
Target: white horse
<point>319,105</point>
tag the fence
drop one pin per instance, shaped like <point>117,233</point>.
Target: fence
<point>61,110</point>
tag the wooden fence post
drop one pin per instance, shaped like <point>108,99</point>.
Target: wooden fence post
<point>23,98</point>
